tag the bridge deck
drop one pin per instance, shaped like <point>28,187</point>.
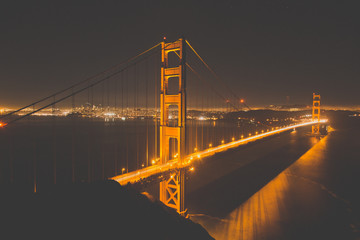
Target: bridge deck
<point>143,173</point>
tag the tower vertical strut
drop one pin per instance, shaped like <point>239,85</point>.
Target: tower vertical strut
<point>172,190</point>
<point>316,114</point>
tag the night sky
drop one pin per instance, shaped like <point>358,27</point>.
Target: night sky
<point>265,50</point>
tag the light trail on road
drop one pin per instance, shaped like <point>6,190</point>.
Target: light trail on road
<point>143,173</point>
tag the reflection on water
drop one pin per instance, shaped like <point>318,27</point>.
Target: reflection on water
<point>254,218</point>
<point>263,215</point>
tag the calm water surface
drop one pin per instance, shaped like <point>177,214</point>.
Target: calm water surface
<point>38,153</point>
<point>315,197</point>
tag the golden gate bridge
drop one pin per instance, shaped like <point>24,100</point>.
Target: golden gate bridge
<point>171,107</point>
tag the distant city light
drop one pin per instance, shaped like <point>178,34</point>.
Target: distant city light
<point>109,114</point>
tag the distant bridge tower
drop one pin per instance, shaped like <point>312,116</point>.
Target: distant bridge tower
<point>172,190</point>
<point>316,113</point>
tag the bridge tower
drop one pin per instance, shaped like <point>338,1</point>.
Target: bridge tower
<point>172,190</point>
<point>316,113</point>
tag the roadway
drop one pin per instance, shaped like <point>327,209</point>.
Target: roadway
<point>143,173</point>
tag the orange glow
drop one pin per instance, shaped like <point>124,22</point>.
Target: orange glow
<point>222,141</point>
<point>254,218</point>
<point>262,212</point>
<point>242,100</point>
<point>233,139</point>
<point>155,169</point>
<point>2,124</point>
<point>192,169</point>
<point>210,145</point>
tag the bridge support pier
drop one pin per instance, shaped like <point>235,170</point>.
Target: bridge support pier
<point>172,191</point>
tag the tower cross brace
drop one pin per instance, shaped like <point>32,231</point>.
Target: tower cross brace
<point>172,190</point>
<point>316,114</point>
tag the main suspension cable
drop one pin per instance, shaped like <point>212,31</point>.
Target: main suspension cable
<point>81,82</point>
<point>72,93</point>
<point>212,71</point>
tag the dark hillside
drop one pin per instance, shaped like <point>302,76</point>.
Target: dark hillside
<point>100,210</point>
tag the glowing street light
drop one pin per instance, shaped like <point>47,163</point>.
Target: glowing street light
<point>123,170</point>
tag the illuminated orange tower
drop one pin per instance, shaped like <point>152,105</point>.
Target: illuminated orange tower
<point>172,190</point>
<point>316,113</point>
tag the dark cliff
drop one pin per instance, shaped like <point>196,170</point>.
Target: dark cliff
<point>100,210</point>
